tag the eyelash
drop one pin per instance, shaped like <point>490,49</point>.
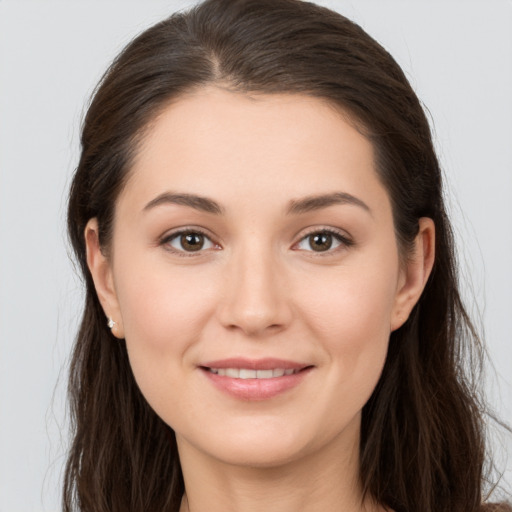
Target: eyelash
<point>184,231</point>
<point>344,241</point>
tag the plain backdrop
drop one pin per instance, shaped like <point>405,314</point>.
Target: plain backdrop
<point>458,56</point>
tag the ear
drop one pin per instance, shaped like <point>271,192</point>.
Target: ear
<point>101,272</point>
<point>414,275</point>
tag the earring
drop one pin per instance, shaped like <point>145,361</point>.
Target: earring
<point>111,323</point>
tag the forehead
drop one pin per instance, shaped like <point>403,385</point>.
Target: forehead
<point>266,146</point>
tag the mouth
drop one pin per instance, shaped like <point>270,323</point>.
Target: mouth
<point>255,379</point>
<point>248,373</point>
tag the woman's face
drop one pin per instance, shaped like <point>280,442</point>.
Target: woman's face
<point>255,275</point>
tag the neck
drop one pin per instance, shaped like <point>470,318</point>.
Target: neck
<point>316,482</point>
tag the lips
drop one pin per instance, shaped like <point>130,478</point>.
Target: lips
<point>260,379</point>
<point>248,373</point>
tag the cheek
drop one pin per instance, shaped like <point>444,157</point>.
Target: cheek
<point>351,318</point>
<point>352,303</point>
<point>163,306</point>
<point>164,312</point>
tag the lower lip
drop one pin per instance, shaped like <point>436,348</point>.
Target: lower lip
<point>256,389</point>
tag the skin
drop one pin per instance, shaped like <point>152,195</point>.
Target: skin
<point>258,289</point>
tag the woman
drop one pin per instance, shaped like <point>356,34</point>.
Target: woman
<point>272,317</point>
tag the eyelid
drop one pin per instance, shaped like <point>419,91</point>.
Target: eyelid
<point>341,236</point>
<point>173,234</point>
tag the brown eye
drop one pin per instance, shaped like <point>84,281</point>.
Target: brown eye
<point>192,241</point>
<point>320,241</point>
<point>189,241</point>
<point>323,241</point>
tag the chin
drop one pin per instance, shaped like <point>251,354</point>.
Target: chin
<point>259,453</point>
<point>268,443</point>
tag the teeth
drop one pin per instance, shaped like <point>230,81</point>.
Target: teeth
<point>246,373</point>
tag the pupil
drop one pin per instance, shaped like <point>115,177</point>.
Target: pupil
<point>321,241</point>
<point>192,241</point>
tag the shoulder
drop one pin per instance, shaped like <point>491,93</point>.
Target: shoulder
<point>496,507</point>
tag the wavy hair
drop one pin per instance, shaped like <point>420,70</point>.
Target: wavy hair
<point>422,439</point>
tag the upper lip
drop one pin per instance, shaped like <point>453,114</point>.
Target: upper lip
<point>268,363</point>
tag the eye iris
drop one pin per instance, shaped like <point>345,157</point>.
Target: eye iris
<point>192,241</point>
<point>320,241</point>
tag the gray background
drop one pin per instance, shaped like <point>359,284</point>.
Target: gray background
<point>458,56</point>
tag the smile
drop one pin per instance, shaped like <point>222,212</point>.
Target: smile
<point>255,379</point>
<point>247,373</point>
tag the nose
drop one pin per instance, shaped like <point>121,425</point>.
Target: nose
<point>255,300</point>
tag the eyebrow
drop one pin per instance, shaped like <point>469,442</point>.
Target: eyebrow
<point>200,203</point>
<point>295,206</point>
<point>311,203</point>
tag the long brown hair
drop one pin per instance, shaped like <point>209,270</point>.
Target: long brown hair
<point>422,439</point>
